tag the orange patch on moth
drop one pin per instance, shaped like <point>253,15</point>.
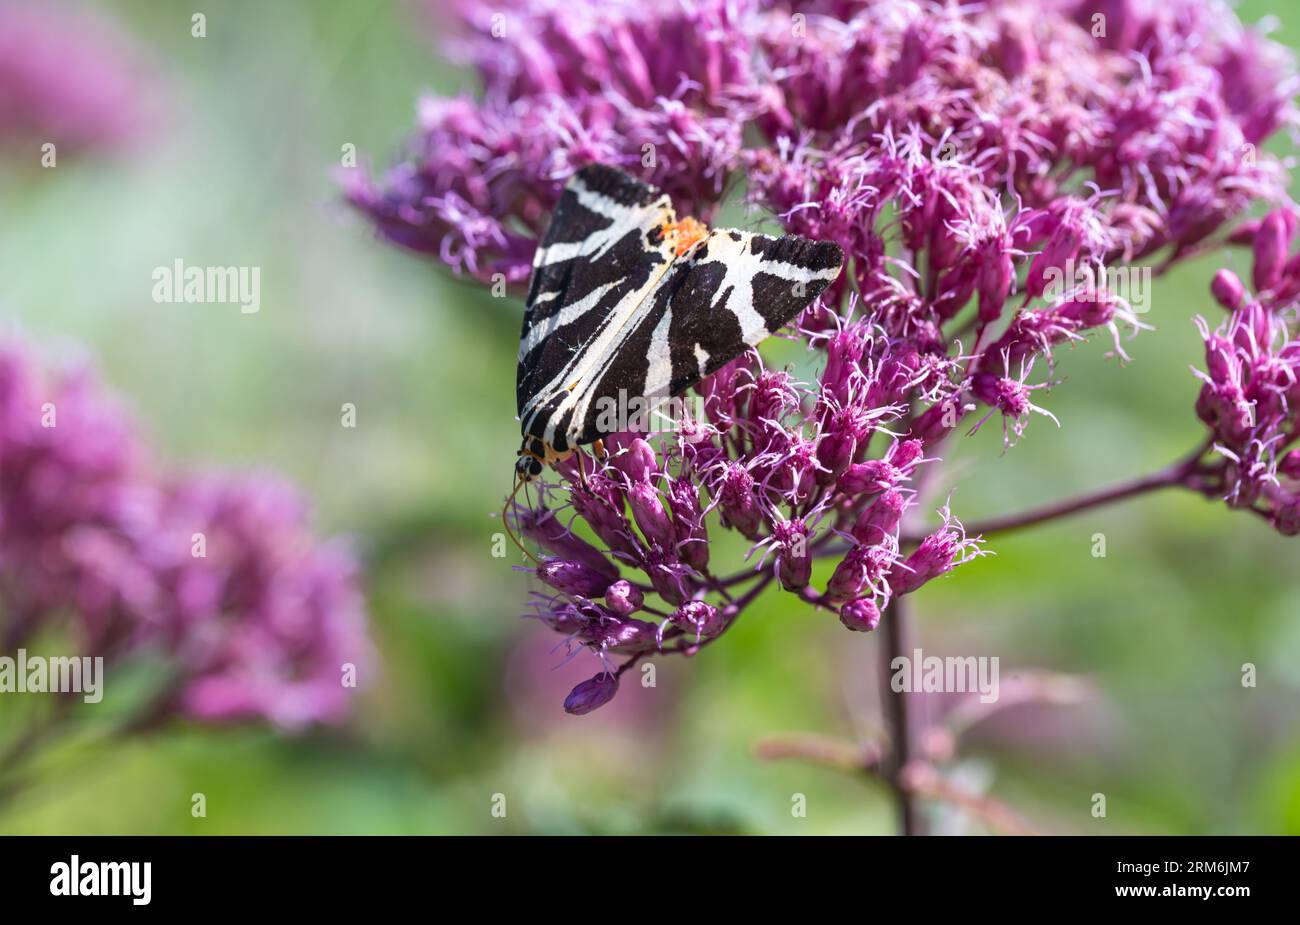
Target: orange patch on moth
<point>685,234</point>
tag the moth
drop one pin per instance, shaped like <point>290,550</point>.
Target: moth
<point>627,300</point>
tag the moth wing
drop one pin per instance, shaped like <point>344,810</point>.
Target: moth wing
<point>724,296</point>
<point>600,258</point>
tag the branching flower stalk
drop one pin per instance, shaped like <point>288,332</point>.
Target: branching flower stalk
<point>989,202</point>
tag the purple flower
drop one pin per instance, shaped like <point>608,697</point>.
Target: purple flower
<point>255,618</point>
<point>664,93</point>
<point>68,78</point>
<point>271,619</point>
<point>699,619</point>
<point>938,554</point>
<point>1251,383</point>
<point>980,192</point>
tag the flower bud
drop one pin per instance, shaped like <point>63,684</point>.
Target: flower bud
<point>936,421</point>
<point>870,477</point>
<point>996,276</point>
<point>544,528</point>
<point>1286,517</point>
<point>856,573</point>
<point>636,460</point>
<point>880,521</point>
<point>623,598</point>
<point>794,561</point>
<point>592,694</point>
<point>736,501</point>
<point>1271,243</point>
<point>1289,465</point>
<point>601,505</point>
<point>572,577</point>
<point>699,618</point>
<point>905,454</point>
<point>670,578</point>
<point>835,454</point>
<point>648,510</point>
<point>861,615</point>
<point>1228,290</point>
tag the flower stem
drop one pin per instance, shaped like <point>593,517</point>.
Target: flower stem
<point>898,638</point>
<point>1180,474</point>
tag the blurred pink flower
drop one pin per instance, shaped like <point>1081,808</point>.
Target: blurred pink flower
<point>221,574</point>
<point>71,78</point>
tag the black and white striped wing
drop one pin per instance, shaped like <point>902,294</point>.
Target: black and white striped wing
<point>601,257</point>
<point>726,296</point>
<point>644,324</point>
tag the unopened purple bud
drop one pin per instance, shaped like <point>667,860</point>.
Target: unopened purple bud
<point>601,506</point>
<point>592,694</point>
<point>843,363</point>
<point>1062,247</point>
<point>670,578</point>
<point>996,275</point>
<point>861,615</point>
<point>880,521</point>
<point>571,577</point>
<point>955,288</point>
<point>688,523</point>
<point>874,475</point>
<point>1015,50</point>
<point>905,454</point>
<point>835,453</point>
<point>855,574</point>
<point>1245,232</point>
<point>1271,243</point>
<point>935,422</point>
<point>1228,290</point>
<point>698,617</point>
<point>637,460</point>
<point>650,515</point>
<point>1286,515</point>
<point>623,598</point>
<point>544,528</point>
<point>630,635</point>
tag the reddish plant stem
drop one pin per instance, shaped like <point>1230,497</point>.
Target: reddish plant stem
<point>1179,475</point>
<point>898,640</point>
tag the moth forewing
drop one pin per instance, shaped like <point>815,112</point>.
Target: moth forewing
<point>626,301</point>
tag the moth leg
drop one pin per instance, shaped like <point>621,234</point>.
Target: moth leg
<point>598,447</point>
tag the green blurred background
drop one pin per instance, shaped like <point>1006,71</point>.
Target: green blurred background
<point>466,703</point>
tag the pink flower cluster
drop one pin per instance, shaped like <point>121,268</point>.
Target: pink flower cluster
<point>982,167</point>
<point>220,575</point>
<point>1250,398</point>
<point>68,78</point>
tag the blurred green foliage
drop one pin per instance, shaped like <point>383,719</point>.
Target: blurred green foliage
<point>466,704</point>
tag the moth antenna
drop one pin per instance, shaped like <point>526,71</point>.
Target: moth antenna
<point>505,520</point>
